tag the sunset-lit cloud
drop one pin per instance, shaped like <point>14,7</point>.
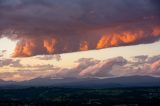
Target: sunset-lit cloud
<point>84,67</point>
<point>55,27</point>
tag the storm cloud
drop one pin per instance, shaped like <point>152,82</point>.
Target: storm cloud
<point>60,26</point>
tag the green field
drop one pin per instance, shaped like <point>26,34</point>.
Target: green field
<point>51,96</point>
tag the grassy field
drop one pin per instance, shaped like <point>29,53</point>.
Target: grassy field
<point>51,96</point>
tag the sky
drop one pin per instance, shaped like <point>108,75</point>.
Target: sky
<point>79,38</point>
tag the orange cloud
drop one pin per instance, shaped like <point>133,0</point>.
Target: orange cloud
<point>50,45</point>
<point>156,31</point>
<point>116,40</point>
<point>155,65</point>
<point>125,38</point>
<point>24,48</point>
<point>84,46</point>
<point>120,37</point>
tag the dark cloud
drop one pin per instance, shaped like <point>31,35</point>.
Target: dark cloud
<point>140,58</point>
<point>153,59</point>
<point>59,26</point>
<point>2,53</point>
<point>10,62</point>
<point>156,3</point>
<point>56,57</point>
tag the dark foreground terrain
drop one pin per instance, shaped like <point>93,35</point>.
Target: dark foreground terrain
<point>52,96</point>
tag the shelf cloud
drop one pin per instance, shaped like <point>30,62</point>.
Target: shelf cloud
<point>64,26</point>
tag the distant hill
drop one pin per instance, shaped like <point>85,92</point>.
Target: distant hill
<point>128,81</point>
<point>2,82</point>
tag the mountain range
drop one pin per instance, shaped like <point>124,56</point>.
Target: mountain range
<point>117,82</point>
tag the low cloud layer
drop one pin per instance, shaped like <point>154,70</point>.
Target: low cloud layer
<point>10,62</point>
<point>103,68</point>
<point>60,26</point>
<point>84,68</point>
<point>49,57</point>
<point>114,67</point>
